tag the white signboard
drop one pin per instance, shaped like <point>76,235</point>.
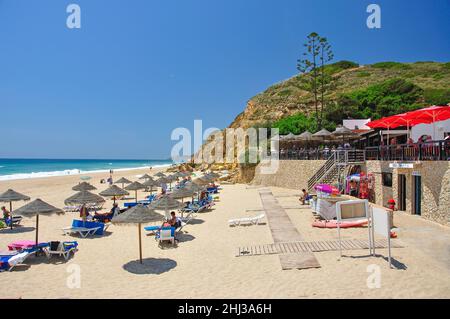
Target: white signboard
<point>381,225</point>
<point>401,165</point>
<point>352,210</point>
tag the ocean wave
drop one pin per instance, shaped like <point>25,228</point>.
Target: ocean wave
<point>71,172</point>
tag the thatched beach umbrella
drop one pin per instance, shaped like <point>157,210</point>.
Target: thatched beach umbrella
<point>202,181</point>
<point>12,196</point>
<point>145,176</point>
<point>114,192</point>
<point>194,187</point>
<point>138,215</point>
<point>84,198</point>
<point>287,137</point>
<point>135,187</point>
<point>123,181</point>
<point>36,208</point>
<point>342,131</point>
<point>84,186</point>
<point>323,135</point>
<point>305,136</point>
<point>151,185</point>
<point>166,203</point>
<point>160,174</point>
<point>182,193</point>
<point>163,180</point>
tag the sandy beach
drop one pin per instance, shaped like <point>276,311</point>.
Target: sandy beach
<point>204,264</point>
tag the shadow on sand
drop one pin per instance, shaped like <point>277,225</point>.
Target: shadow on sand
<point>395,263</point>
<point>150,266</point>
<point>17,230</point>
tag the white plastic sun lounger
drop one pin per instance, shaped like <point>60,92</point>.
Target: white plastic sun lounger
<point>166,234</point>
<point>62,251</point>
<point>83,231</point>
<point>246,220</point>
<point>17,260</point>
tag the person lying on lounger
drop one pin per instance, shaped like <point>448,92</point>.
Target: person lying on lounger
<point>108,216</point>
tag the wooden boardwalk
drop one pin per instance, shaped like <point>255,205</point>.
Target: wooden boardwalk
<point>283,231</point>
<point>315,246</point>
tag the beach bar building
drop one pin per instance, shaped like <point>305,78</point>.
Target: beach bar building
<point>414,174</point>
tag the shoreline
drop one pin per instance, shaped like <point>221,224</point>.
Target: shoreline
<point>29,176</point>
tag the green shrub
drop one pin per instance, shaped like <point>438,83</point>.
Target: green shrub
<point>437,96</point>
<point>390,65</point>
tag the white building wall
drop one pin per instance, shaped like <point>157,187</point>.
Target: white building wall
<point>427,129</point>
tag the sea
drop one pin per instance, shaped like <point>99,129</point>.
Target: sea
<point>12,169</point>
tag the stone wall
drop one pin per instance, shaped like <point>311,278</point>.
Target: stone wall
<point>435,183</point>
<point>290,174</point>
<point>435,188</point>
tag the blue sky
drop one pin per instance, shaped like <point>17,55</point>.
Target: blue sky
<point>137,69</point>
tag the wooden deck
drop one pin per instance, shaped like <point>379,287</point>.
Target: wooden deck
<point>283,231</point>
<point>316,246</point>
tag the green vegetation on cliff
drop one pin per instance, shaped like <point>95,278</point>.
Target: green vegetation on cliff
<point>373,91</point>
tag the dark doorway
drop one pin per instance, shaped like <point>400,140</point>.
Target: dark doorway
<point>401,192</point>
<point>417,203</point>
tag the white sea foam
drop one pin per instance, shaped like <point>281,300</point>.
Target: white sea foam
<point>71,172</point>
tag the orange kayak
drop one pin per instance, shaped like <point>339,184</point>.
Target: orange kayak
<point>334,223</point>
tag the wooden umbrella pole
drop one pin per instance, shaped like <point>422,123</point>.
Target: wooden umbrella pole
<point>37,232</point>
<point>10,215</point>
<point>140,243</point>
<point>135,195</point>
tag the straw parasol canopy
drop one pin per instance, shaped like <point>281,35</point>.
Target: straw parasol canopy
<point>323,133</point>
<point>138,214</point>
<point>114,192</point>
<point>194,187</point>
<point>166,203</point>
<point>84,198</point>
<point>290,136</point>
<point>160,174</point>
<point>182,193</point>
<point>145,176</point>
<point>12,196</point>
<point>36,208</point>
<point>84,186</point>
<point>305,136</point>
<point>343,132</point>
<point>204,180</point>
<point>135,187</point>
<point>123,181</point>
<point>163,180</point>
<point>151,185</point>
